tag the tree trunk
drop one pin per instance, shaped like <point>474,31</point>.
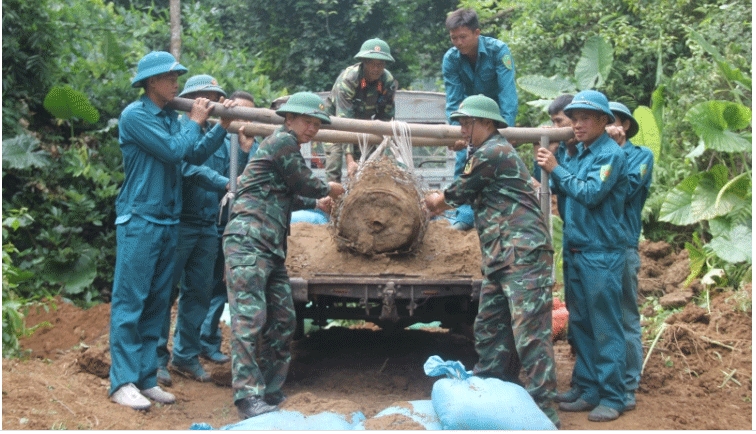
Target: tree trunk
<point>176,28</point>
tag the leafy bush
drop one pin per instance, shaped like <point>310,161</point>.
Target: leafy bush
<point>67,244</point>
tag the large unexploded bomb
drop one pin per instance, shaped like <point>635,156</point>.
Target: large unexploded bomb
<point>382,210</point>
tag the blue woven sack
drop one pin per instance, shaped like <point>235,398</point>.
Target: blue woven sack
<point>463,401</point>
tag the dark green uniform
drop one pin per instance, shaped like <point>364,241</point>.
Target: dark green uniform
<point>254,244</point>
<point>513,326</point>
<point>354,98</point>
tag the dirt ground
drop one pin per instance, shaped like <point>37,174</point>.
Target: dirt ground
<point>698,376</point>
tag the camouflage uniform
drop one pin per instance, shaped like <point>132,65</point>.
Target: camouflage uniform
<point>513,326</point>
<point>254,244</point>
<point>354,98</point>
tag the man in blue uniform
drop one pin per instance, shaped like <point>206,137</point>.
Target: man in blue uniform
<point>210,334</point>
<point>640,164</point>
<point>153,143</point>
<point>476,65</point>
<point>595,249</point>
<point>198,243</point>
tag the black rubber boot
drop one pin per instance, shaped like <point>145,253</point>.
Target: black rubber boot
<point>276,398</point>
<point>253,406</point>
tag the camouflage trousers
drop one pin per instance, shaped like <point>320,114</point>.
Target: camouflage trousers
<point>513,331</point>
<point>334,153</point>
<point>335,158</point>
<point>262,318</point>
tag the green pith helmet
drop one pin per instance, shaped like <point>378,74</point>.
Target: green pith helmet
<point>305,103</point>
<point>479,106</point>
<point>590,100</point>
<point>375,49</point>
<point>201,83</point>
<point>156,63</point>
<point>623,112</point>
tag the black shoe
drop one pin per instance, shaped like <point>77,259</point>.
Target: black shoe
<point>216,357</point>
<point>579,405</point>
<point>276,398</point>
<point>571,395</point>
<point>193,371</point>
<point>603,413</point>
<point>253,406</point>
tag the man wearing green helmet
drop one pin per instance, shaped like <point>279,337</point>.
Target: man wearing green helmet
<point>513,325</point>
<point>275,182</point>
<point>364,90</point>
<point>154,144</point>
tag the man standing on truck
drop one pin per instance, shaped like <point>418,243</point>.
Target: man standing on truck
<point>364,90</point>
<point>475,65</point>
<point>513,326</point>
<point>275,182</point>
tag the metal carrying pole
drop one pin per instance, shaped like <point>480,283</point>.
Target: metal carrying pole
<point>437,134</point>
<point>234,166</point>
<point>233,169</point>
<point>544,193</point>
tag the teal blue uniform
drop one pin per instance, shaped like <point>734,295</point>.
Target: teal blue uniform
<point>640,164</point>
<point>595,250</point>
<point>565,160</point>
<point>154,144</point>
<point>197,249</point>
<point>492,75</point>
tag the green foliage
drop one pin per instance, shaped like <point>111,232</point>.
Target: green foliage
<point>689,62</point>
<point>721,196</point>
<point>717,122</point>
<point>591,71</point>
<point>557,232</point>
<point>29,44</point>
<point>65,103</point>
<point>22,152</point>
<point>649,133</point>
<point>303,45</point>
<point>13,320</point>
<point>66,243</point>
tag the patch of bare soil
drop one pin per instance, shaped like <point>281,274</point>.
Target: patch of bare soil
<point>445,252</point>
<point>698,374</point>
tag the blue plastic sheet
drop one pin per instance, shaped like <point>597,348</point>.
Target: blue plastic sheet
<point>296,421</point>
<point>313,216</point>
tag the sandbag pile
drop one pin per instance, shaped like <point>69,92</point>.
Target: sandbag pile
<point>460,401</point>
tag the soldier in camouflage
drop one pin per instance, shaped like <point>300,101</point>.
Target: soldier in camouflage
<point>513,326</point>
<point>364,90</point>
<point>275,182</point>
